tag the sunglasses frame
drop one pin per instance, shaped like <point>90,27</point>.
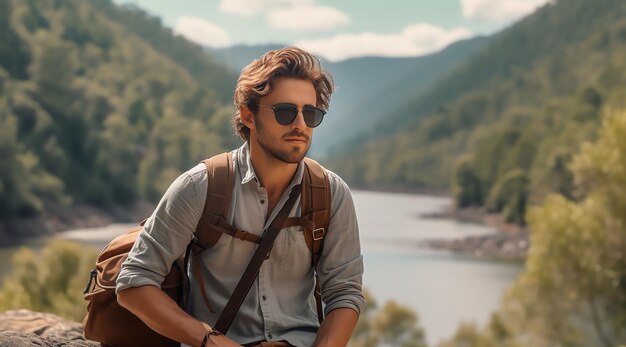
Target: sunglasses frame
<point>278,106</point>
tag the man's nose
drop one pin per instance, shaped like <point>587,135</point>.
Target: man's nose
<point>299,122</point>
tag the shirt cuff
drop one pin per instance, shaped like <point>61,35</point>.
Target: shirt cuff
<point>346,301</point>
<point>130,281</point>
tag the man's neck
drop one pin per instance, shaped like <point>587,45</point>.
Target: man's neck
<point>273,174</point>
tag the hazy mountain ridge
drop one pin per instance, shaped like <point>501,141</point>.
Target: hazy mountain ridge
<point>395,81</point>
<point>367,87</point>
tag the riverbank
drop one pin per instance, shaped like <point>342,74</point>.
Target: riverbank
<point>510,242</point>
<point>57,218</point>
<point>401,189</point>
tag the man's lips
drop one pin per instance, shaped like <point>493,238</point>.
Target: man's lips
<point>296,139</point>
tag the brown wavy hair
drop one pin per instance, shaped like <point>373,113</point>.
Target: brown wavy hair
<point>256,80</point>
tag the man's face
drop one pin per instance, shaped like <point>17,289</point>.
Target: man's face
<point>287,143</point>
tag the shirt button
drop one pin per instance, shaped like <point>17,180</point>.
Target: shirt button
<point>270,336</point>
<point>264,297</point>
<point>262,201</point>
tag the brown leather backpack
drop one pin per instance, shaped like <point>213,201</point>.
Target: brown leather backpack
<point>112,325</point>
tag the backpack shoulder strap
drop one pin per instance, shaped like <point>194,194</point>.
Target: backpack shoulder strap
<point>315,206</point>
<point>214,220</point>
<point>221,180</point>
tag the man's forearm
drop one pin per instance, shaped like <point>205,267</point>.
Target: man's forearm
<point>159,312</point>
<point>337,328</point>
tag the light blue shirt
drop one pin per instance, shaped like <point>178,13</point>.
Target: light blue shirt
<point>280,305</point>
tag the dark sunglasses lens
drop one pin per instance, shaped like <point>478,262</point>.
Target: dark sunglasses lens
<point>313,116</point>
<point>285,114</point>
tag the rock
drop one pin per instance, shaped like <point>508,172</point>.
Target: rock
<point>28,328</point>
<point>17,339</point>
<point>500,245</point>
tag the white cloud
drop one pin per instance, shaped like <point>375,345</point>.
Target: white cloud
<point>202,32</point>
<point>307,17</point>
<point>250,7</point>
<point>414,40</point>
<point>499,10</point>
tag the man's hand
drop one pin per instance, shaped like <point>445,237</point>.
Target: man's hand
<point>337,328</point>
<point>159,312</point>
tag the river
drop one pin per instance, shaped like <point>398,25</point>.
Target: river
<point>445,289</point>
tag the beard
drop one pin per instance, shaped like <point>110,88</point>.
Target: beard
<point>286,153</point>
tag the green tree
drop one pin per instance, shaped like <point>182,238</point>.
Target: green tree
<point>466,187</point>
<point>573,291</point>
<point>50,282</point>
<point>391,325</point>
<point>17,196</point>
<point>23,183</point>
<point>14,54</point>
<point>509,196</point>
<point>468,335</point>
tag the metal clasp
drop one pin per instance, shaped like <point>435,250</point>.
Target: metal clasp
<point>318,234</point>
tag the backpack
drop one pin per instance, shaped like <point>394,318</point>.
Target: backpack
<point>113,325</point>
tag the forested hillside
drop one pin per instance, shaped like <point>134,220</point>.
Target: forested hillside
<point>101,105</point>
<point>510,118</point>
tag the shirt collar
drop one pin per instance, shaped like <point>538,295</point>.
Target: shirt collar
<point>246,171</point>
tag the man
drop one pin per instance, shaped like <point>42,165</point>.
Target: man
<point>283,84</point>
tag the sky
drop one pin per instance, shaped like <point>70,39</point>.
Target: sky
<point>340,29</point>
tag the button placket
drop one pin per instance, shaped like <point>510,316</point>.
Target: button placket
<point>262,199</point>
<point>265,305</point>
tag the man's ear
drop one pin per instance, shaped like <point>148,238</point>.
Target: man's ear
<point>247,117</point>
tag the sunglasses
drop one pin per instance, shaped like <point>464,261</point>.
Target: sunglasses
<point>285,114</point>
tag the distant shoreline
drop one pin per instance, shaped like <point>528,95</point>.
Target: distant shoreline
<point>62,218</point>
<point>400,189</point>
<point>57,218</point>
<point>510,242</point>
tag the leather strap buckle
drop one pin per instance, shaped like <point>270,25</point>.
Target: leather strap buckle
<point>240,234</point>
<point>318,234</point>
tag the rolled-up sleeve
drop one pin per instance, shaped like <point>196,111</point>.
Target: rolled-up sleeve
<point>340,268</point>
<point>165,235</point>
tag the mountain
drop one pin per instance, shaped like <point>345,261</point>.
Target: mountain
<point>366,87</point>
<point>513,113</point>
<point>101,105</point>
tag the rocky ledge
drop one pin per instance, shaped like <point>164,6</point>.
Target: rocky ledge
<point>510,242</point>
<point>57,218</point>
<point>505,246</point>
<point>27,328</point>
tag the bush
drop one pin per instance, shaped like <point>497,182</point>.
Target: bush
<point>467,188</point>
<point>391,325</point>
<point>50,282</point>
<point>509,196</point>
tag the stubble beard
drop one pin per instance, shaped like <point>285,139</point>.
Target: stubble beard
<point>287,154</point>
<point>291,155</point>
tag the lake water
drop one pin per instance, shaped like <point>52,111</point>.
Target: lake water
<point>445,289</point>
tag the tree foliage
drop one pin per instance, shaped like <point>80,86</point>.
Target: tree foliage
<point>49,282</point>
<point>467,187</point>
<point>508,196</point>
<point>573,289</point>
<point>390,325</point>
<point>100,104</point>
